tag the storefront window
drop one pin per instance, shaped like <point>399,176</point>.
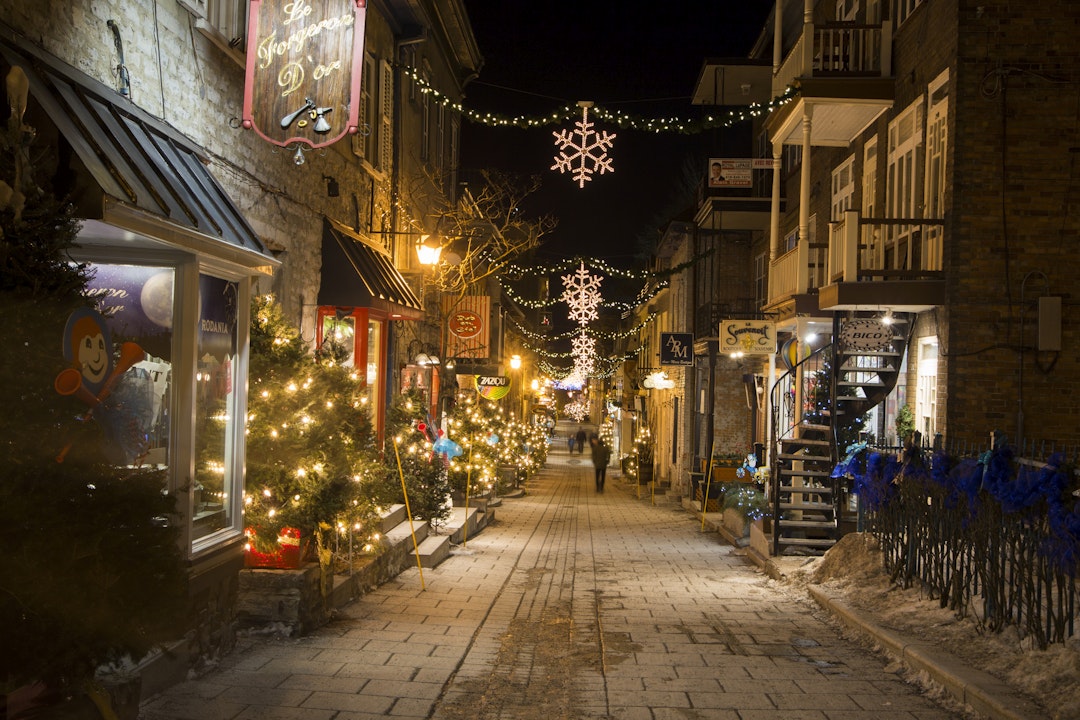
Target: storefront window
<point>340,332</point>
<point>136,304</point>
<point>216,386</point>
<point>374,353</point>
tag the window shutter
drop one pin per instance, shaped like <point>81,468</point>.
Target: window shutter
<point>386,117</point>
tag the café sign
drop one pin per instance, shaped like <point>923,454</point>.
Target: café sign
<point>304,62</point>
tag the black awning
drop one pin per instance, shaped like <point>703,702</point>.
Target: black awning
<point>355,274</point>
<point>133,158</point>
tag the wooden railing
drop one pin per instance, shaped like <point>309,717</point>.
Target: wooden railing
<point>797,271</point>
<point>864,247</point>
<point>837,49</point>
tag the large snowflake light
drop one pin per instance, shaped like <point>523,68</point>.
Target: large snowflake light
<point>582,294</point>
<point>588,149</point>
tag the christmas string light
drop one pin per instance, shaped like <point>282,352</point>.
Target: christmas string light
<point>618,118</point>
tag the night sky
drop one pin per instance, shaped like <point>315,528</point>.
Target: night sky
<point>641,58</point>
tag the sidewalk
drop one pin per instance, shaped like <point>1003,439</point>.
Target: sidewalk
<point>982,692</point>
<point>572,604</point>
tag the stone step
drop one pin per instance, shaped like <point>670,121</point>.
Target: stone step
<point>400,532</point>
<point>455,526</point>
<point>392,517</point>
<point>808,542</point>
<point>433,550</point>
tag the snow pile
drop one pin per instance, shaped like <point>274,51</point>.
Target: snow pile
<point>852,571</point>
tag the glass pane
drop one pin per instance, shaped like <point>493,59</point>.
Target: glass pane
<point>341,332</point>
<point>136,303</point>
<point>215,407</point>
<point>374,380</point>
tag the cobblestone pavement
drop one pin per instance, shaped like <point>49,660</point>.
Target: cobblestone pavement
<point>572,604</point>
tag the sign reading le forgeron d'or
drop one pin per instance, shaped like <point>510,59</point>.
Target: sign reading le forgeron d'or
<point>304,60</point>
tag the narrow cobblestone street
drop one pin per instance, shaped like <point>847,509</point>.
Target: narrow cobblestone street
<point>572,604</point>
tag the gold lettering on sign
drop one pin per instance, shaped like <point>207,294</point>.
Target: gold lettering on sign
<point>291,77</point>
<point>270,48</point>
<point>322,71</point>
<point>295,11</point>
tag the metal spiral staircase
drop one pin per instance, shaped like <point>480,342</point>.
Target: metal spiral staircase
<point>812,403</point>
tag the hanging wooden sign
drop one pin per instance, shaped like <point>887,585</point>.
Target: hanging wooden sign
<point>304,64</point>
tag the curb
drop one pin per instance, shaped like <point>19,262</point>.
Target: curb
<point>981,691</point>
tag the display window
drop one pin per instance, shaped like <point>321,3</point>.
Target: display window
<point>360,338</point>
<point>136,303</point>
<point>218,423</point>
<point>177,400</point>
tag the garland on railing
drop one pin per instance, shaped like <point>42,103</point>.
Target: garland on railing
<point>954,524</point>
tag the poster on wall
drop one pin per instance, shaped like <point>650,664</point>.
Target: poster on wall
<point>730,173</point>
<point>304,66</point>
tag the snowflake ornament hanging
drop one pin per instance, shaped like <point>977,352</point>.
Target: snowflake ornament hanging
<point>588,149</point>
<point>582,294</point>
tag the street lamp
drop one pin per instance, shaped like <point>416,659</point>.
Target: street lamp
<point>428,250</point>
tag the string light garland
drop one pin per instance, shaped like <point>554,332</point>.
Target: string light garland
<point>622,120</point>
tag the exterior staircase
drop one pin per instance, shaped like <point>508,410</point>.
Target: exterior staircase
<point>827,391</point>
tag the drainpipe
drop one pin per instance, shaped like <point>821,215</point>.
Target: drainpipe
<point>121,68</point>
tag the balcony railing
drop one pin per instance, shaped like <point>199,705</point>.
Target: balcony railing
<point>837,49</point>
<point>861,248</point>
<point>797,271</point>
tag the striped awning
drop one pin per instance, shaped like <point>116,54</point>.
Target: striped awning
<point>357,274</point>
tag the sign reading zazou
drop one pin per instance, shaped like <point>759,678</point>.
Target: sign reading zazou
<point>749,337</point>
<point>304,60</point>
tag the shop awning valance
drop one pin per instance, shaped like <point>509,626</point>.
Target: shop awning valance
<point>356,274</point>
<point>127,168</point>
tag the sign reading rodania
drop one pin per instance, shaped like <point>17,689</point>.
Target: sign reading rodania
<point>304,62</point>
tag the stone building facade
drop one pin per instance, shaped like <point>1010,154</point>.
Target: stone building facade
<point>139,105</point>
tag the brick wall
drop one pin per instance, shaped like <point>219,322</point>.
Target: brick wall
<point>1014,224</point>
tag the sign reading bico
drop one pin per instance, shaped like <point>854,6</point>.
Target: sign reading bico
<point>304,60</point>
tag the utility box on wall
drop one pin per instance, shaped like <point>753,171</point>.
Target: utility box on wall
<point>1049,324</point>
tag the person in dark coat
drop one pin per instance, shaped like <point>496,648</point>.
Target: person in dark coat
<point>601,455</point>
<point>581,437</point>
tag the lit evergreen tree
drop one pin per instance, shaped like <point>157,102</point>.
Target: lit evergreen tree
<point>311,457</point>
<point>424,470</point>
<point>91,569</point>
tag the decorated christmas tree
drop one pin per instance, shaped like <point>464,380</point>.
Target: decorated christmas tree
<point>311,457</point>
<point>91,571</point>
<point>414,458</point>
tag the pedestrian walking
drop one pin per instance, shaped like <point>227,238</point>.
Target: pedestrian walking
<point>570,442</point>
<point>581,438</point>
<point>601,455</point>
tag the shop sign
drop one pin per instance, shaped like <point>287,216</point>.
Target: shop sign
<point>676,348</point>
<point>866,335</point>
<point>468,332</point>
<point>750,337</point>
<point>304,65</point>
<point>492,387</point>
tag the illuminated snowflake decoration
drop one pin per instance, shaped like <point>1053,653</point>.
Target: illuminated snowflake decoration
<point>582,345</point>
<point>588,149</point>
<point>582,294</point>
